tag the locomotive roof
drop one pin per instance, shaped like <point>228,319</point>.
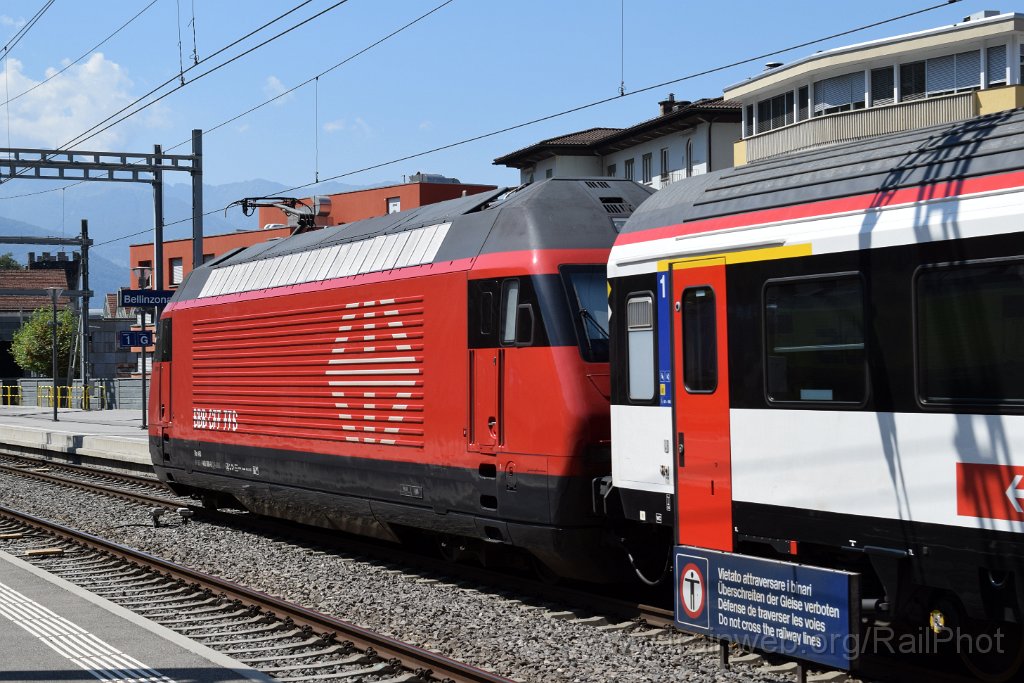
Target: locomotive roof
<point>949,152</point>
<point>556,213</point>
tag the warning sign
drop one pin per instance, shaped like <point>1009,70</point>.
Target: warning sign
<point>793,609</point>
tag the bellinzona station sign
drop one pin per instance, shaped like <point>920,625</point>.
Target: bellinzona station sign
<point>154,298</point>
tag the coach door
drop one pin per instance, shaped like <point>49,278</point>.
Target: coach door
<point>701,386</point>
<point>485,365</point>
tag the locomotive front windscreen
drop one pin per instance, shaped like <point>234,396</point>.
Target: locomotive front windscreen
<point>587,290</point>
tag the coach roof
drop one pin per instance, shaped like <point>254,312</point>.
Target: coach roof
<point>981,146</point>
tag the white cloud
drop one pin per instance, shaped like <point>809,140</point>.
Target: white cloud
<point>362,126</point>
<point>334,126</point>
<point>426,125</point>
<point>358,126</point>
<point>274,87</point>
<point>70,104</point>
<point>11,22</point>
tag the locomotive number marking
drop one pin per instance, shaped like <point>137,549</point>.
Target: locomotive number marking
<point>215,419</point>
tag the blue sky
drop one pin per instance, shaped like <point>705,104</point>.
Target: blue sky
<point>472,67</point>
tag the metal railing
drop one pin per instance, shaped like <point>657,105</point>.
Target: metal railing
<point>10,395</point>
<point>862,123</point>
<point>71,396</point>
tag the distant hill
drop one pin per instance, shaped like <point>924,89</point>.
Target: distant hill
<point>117,210</point>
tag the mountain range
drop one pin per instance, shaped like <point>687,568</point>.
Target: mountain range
<point>121,214</point>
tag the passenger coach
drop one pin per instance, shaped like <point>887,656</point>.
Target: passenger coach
<point>820,359</point>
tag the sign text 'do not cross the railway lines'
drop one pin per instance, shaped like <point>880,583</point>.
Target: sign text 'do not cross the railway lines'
<point>793,609</point>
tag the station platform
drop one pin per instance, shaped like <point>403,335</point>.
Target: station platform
<point>108,435</point>
<point>52,630</point>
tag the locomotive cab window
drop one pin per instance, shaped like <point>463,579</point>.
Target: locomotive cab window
<point>517,319</point>
<point>700,346</point>
<point>969,334</point>
<point>587,290</point>
<point>640,345</point>
<point>814,340</point>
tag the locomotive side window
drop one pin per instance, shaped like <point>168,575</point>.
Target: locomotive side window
<point>970,331</point>
<point>814,340</point>
<point>163,341</point>
<point>700,352</point>
<point>509,308</point>
<point>486,306</point>
<point>640,345</point>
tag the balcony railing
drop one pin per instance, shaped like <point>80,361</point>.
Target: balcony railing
<point>862,123</point>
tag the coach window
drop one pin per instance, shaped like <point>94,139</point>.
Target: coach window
<point>814,345</point>
<point>700,352</point>
<point>969,334</point>
<point>509,310</point>
<point>640,345</point>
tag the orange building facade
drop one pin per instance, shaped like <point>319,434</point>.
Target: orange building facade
<point>346,207</point>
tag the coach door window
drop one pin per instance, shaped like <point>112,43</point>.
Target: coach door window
<point>700,352</point>
<point>640,345</point>
<point>814,340</point>
<point>510,310</point>
<point>970,332</point>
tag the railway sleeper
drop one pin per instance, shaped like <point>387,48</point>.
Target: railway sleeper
<point>270,628</point>
<point>253,641</point>
<point>360,658</point>
<point>333,649</point>
<point>358,673</point>
<point>190,623</point>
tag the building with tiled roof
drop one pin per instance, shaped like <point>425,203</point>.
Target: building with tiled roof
<point>30,279</point>
<point>685,139</point>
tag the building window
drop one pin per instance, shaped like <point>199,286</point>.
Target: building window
<point>208,257</point>
<point>995,65</point>
<point>664,164</point>
<point>803,106</point>
<point>647,162</point>
<point>394,204</point>
<point>883,83</point>
<point>953,73</point>
<point>748,126</point>
<point>912,81</point>
<point>1020,69</point>
<point>548,173</point>
<point>177,271</point>
<point>628,168</point>
<point>814,340</point>
<point>640,345</point>
<point>969,332</point>
<point>841,93</point>
<point>700,349</point>
<point>611,170</point>
<point>688,160</point>
<point>775,112</point>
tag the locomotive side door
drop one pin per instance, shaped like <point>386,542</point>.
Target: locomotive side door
<point>701,385</point>
<point>485,359</point>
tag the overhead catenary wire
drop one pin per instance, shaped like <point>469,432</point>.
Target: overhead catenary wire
<point>564,112</point>
<point>83,55</point>
<point>6,49</point>
<point>285,93</point>
<point>90,134</point>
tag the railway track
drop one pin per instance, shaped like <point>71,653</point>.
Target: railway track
<point>284,640</point>
<point>572,603</point>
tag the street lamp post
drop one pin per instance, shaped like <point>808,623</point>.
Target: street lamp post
<point>55,293</point>
<point>142,273</point>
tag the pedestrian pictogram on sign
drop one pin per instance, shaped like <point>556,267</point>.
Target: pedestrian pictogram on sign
<point>691,590</point>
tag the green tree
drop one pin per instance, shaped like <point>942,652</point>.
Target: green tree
<point>8,262</point>
<point>32,344</point>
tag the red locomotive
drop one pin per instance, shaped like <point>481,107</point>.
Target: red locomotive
<point>442,369</point>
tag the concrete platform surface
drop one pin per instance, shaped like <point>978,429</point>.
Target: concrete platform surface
<point>107,434</point>
<point>51,630</point>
